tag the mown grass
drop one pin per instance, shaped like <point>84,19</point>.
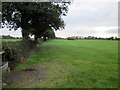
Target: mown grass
<point>76,64</point>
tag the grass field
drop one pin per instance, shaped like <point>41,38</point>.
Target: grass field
<point>11,39</point>
<point>74,64</point>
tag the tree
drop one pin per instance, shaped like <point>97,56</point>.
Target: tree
<point>50,34</point>
<point>111,38</point>
<point>34,18</point>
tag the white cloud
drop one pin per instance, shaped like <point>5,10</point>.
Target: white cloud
<point>77,30</point>
<point>91,18</point>
<point>95,0</point>
<point>93,13</point>
<point>6,31</point>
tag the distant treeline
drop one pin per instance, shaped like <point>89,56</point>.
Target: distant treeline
<point>10,37</point>
<point>101,38</point>
<point>89,38</point>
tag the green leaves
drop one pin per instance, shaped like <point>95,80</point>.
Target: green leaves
<point>17,51</point>
<point>37,15</point>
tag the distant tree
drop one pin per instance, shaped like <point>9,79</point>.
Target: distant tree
<point>71,38</point>
<point>50,34</point>
<point>117,38</point>
<point>89,37</point>
<point>92,37</point>
<point>8,37</point>
<point>17,38</point>
<point>95,37</point>
<point>111,38</point>
<point>77,37</point>
<point>85,37</point>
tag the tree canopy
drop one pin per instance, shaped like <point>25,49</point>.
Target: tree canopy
<point>34,17</point>
<point>48,34</point>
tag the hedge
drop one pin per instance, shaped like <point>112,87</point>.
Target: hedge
<point>17,51</point>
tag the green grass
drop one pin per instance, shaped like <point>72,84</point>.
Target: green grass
<point>11,39</point>
<point>76,64</point>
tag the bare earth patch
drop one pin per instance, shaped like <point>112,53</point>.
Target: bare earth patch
<point>26,77</point>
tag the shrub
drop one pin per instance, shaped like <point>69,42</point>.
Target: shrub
<point>17,51</point>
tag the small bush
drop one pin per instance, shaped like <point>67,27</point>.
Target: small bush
<point>17,51</point>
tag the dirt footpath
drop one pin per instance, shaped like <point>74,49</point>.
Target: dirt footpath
<point>25,77</point>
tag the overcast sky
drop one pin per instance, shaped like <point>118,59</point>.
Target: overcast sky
<point>94,18</point>
<point>87,18</point>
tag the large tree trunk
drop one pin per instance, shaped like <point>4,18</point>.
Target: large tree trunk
<point>36,38</point>
<point>24,23</point>
<point>25,34</point>
<point>44,38</point>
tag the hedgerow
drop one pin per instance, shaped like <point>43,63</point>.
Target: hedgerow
<point>17,51</point>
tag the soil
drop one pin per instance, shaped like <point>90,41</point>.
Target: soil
<point>28,76</point>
